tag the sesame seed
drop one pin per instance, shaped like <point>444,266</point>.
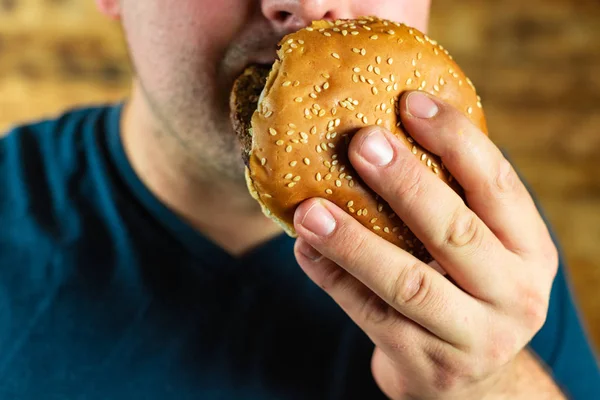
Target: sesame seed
<point>272,131</point>
<point>268,114</point>
<point>313,96</point>
<point>365,120</point>
<point>327,163</point>
<point>479,104</point>
<point>370,68</point>
<point>435,51</point>
<point>293,163</point>
<point>321,113</point>
<point>279,142</point>
<point>333,111</point>
<point>288,51</point>
<point>294,46</point>
<point>391,32</point>
<point>367,27</point>
<point>423,156</point>
<point>288,176</point>
<point>470,110</point>
<point>337,122</point>
<point>363,52</point>
<point>303,135</point>
<point>288,149</point>
<point>374,90</point>
<point>344,32</point>
<point>350,203</point>
<point>335,161</point>
<point>331,145</point>
<point>327,177</point>
<point>323,146</point>
<point>318,177</point>
<point>410,140</point>
<point>376,228</point>
<point>389,88</point>
<point>417,73</point>
<point>356,69</point>
<point>328,191</point>
<point>291,184</point>
<point>409,81</point>
<point>362,79</point>
<point>370,81</point>
<point>338,183</point>
<point>436,88</point>
<point>298,99</point>
<point>377,70</point>
<point>318,149</point>
<point>300,41</point>
<point>386,229</point>
<point>309,29</point>
<point>435,170</point>
<point>378,59</point>
<point>290,132</point>
<point>326,85</point>
<point>354,33</point>
<point>374,37</point>
<point>395,85</point>
<point>313,130</point>
<point>460,83</point>
<point>296,83</point>
<point>389,111</point>
<point>327,34</point>
<point>351,183</point>
<point>379,121</point>
<point>286,83</point>
<point>355,50</point>
<point>297,178</point>
<point>414,150</point>
<point>423,84</point>
<point>263,161</point>
<point>355,78</point>
<point>429,162</point>
<point>419,56</point>
<point>306,161</point>
<point>359,213</point>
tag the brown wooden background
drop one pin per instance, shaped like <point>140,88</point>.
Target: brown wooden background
<point>536,64</point>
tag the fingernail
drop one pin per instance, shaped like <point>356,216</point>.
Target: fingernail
<point>318,220</point>
<point>376,149</point>
<point>420,105</point>
<point>309,252</point>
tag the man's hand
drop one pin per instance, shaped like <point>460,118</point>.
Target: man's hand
<point>437,338</point>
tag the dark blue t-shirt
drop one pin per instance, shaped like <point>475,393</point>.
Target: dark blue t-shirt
<point>106,294</point>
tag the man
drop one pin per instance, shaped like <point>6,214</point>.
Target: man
<point>134,264</point>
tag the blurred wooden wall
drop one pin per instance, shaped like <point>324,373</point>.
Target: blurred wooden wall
<point>534,62</point>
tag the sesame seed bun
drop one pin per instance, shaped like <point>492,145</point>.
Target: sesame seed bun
<point>330,80</point>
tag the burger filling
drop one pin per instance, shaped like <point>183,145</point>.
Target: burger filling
<point>247,91</point>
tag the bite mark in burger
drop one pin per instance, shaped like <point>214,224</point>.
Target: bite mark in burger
<point>295,119</point>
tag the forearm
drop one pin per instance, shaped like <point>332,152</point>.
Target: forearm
<point>526,378</point>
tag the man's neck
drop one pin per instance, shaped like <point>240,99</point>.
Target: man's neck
<point>220,209</point>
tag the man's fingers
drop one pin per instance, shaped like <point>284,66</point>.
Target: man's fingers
<point>493,189</point>
<point>384,325</point>
<point>408,285</point>
<point>454,235</point>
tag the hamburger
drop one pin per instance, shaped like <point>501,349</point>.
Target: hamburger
<point>295,118</point>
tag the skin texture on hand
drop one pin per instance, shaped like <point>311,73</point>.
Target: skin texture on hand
<point>438,338</point>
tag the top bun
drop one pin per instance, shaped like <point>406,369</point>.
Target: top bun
<point>330,80</point>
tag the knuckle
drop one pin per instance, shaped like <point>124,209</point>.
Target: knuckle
<point>464,231</point>
<point>535,309</point>
<point>409,185</point>
<point>374,310</point>
<point>448,369</point>
<point>331,277</point>
<point>411,286</point>
<point>500,349</point>
<point>505,180</point>
<point>351,243</point>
